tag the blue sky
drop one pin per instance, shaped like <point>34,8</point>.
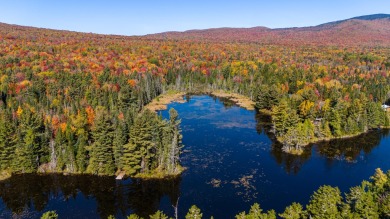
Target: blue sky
<point>151,16</point>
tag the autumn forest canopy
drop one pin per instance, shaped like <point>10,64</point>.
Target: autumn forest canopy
<point>74,102</point>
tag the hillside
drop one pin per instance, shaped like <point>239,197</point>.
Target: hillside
<point>370,30</point>
<point>69,99</point>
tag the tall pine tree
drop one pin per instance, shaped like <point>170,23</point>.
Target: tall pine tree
<point>7,147</point>
<point>101,156</point>
<point>140,151</point>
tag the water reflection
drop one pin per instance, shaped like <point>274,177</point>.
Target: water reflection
<point>23,194</point>
<point>347,149</point>
<point>350,149</point>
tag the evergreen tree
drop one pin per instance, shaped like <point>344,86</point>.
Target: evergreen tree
<point>194,213</point>
<point>69,152</point>
<point>158,215</point>
<point>379,179</point>
<point>280,117</point>
<point>325,130</point>
<point>131,158</point>
<point>81,155</point>
<point>305,132</point>
<point>351,126</point>
<point>7,147</point>
<point>267,97</point>
<point>24,155</point>
<point>60,145</point>
<point>101,156</point>
<point>324,203</point>
<point>120,139</point>
<point>49,215</point>
<point>335,123</point>
<point>257,212</point>
<point>28,148</point>
<point>133,216</point>
<point>175,146</point>
<point>163,141</point>
<point>126,99</point>
<point>284,118</point>
<point>362,202</point>
<point>374,112</point>
<point>294,211</point>
<point>140,151</point>
<point>80,124</point>
<point>386,119</point>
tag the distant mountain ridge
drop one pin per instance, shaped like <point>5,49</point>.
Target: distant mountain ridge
<point>371,17</point>
<point>369,30</point>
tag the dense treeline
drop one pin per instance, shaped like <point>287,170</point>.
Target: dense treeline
<point>74,102</point>
<point>84,128</point>
<point>94,141</point>
<point>371,199</point>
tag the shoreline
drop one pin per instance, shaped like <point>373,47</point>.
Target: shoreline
<point>172,96</point>
<point>296,151</point>
<point>240,100</point>
<point>155,175</point>
<point>161,102</point>
<point>5,175</point>
<point>150,176</point>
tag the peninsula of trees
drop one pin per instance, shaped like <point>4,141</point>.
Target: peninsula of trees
<point>74,102</point>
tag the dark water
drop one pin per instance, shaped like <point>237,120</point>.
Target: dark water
<point>232,163</point>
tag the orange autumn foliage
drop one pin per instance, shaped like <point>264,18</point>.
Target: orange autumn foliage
<point>90,115</point>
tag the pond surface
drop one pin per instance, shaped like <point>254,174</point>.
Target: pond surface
<point>232,163</point>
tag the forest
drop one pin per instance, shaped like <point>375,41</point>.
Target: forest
<point>74,102</point>
<point>367,200</point>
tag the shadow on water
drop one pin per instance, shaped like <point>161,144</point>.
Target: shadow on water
<point>347,149</point>
<point>351,148</point>
<point>28,195</point>
<point>291,163</point>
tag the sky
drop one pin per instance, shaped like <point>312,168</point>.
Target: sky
<point>154,16</point>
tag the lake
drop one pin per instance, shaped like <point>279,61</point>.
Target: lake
<point>232,162</point>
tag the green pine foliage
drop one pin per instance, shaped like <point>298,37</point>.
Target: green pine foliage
<point>154,145</point>
<point>49,215</point>
<point>294,211</point>
<point>361,202</point>
<point>139,152</point>
<point>325,202</point>
<point>158,215</point>
<point>267,97</point>
<point>121,136</point>
<point>7,144</point>
<point>28,147</point>
<point>133,216</point>
<point>101,152</point>
<point>256,212</point>
<point>173,150</point>
<point>194,213</point>
<point>81,154</point>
